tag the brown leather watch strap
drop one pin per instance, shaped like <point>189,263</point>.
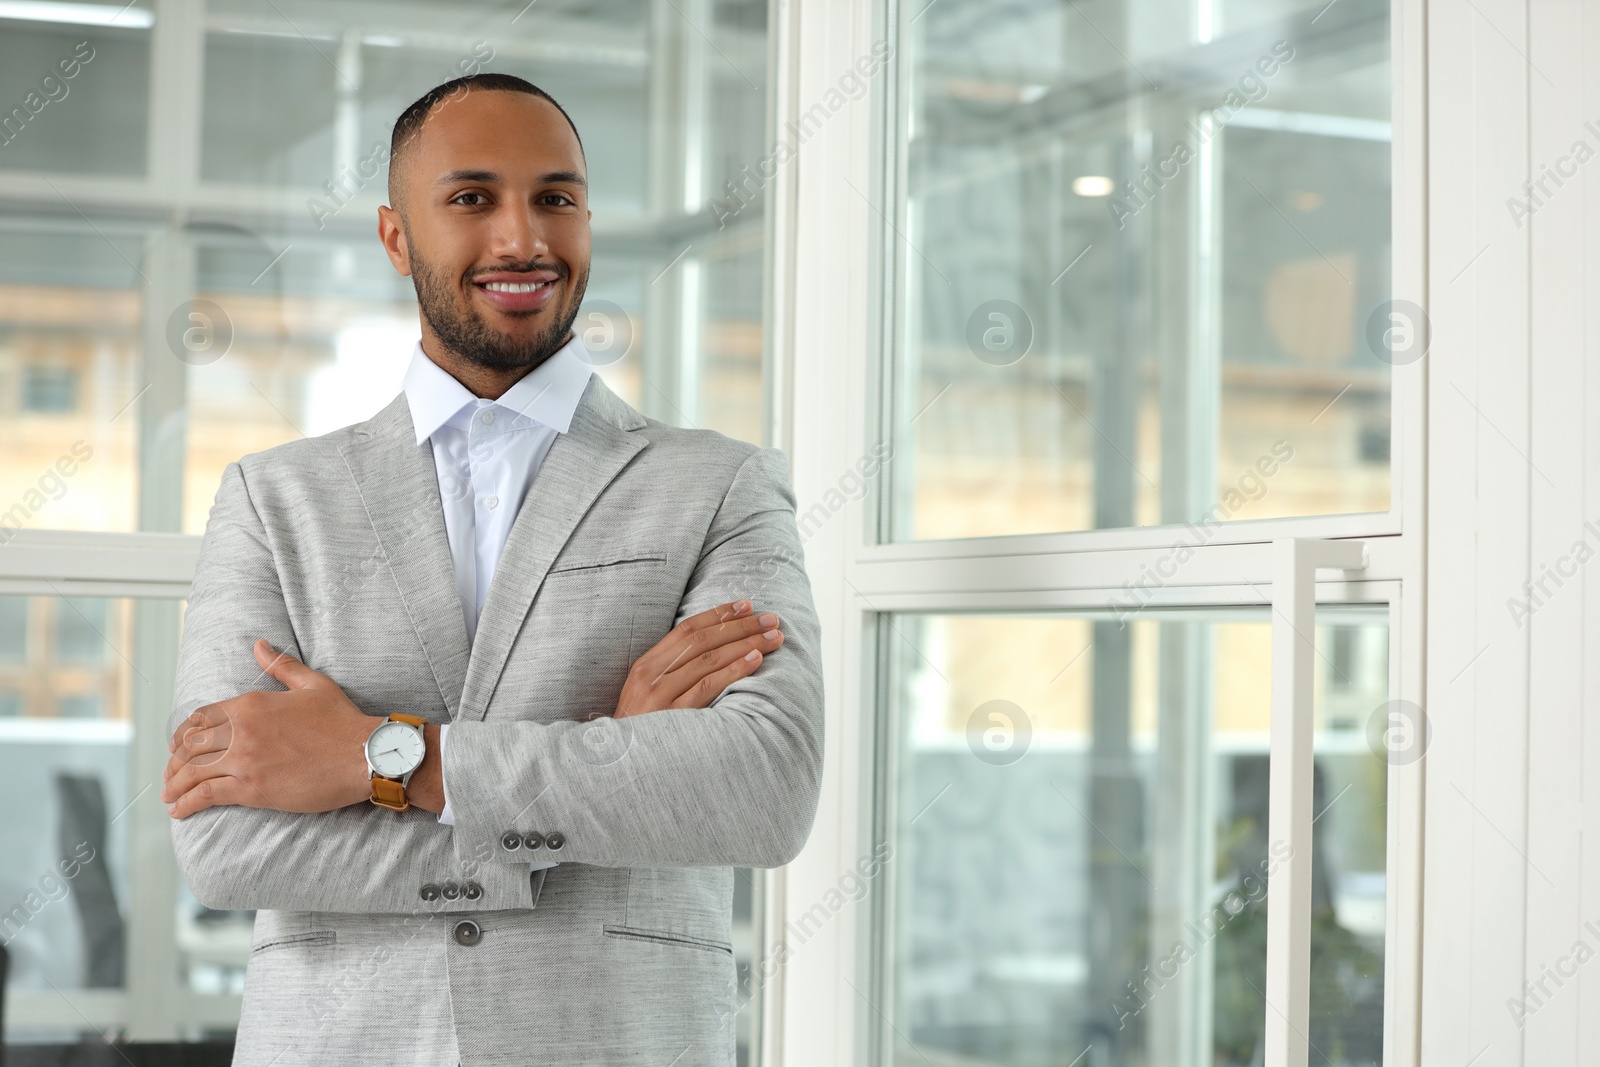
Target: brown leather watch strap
<point>386,792</point>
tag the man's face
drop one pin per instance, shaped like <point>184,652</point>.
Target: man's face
<point>494,227</point>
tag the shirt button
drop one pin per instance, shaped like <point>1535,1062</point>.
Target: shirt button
<point>430,892</point>
<point>488,417</point>
<point>511,841</point>
<point>491,502</point>
<point>553,841</point>
<point>472,891</point>
<point>468,932</point>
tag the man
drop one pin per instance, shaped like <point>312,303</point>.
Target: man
<point>533,865</point>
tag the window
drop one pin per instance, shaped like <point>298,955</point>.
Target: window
<point>1138,249</point>
<point>49,390</point>
<point>253,320</point>
<point>80,630</point>
<point>1113,493</point>
<point>1078,838</point>
<point>189,274</point>
<point>13,629</point>
<point>65,753</point>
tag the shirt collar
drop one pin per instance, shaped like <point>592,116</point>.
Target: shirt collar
<point>548,394</point>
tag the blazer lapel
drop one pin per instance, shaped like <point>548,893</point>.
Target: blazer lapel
<point>400,490</point>
<point>578,467</point>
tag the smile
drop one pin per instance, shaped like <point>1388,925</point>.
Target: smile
<point>515,295</point>
<point>514,287</point>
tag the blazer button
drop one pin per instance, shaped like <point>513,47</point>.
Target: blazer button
<point>511,841</point>
<point>450,890</point>
<point>472,891</point>
<point>553,841</point>
<point>429,892</point>
<point>468,932</point>
<point>534,840</point>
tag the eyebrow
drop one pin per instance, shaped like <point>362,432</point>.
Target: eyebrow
<point>489,177</point>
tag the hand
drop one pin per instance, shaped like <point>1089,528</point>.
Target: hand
<point>699,658</point>
<point>296,751</point>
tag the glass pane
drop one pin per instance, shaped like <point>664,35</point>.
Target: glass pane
<point>74,87</point>
<point>213,945</point>
<point>69,369</point>
<point>270,105</point>
<point>67,684</point>
<point>1142,265</point>
<point>1105,787</point>
<point>162,354</point>
<point>747,961</point>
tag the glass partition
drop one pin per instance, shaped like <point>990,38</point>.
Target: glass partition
<point>1077,855</point>
<point>189,272</point>
<point>68,684</point>
<point>172,349</point>
<point>1140,266</point>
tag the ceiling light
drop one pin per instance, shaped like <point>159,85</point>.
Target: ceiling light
<point>124,17</point>
<point>1093,185</point>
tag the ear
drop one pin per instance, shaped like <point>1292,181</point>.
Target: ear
<point>392,233</point>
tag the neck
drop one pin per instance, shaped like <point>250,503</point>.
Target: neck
<point>489,383</point>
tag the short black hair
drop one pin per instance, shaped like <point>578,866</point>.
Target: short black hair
<point>409,124</point>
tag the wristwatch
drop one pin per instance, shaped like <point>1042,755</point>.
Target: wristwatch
<point>394,752</point>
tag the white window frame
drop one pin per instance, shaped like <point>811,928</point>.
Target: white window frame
<point>827,351</point>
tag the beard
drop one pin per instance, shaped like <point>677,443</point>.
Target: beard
<point>464,331</point>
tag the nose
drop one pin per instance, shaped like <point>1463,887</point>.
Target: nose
<point>517,235</point>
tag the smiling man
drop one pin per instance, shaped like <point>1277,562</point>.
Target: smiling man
<point>477,703</point>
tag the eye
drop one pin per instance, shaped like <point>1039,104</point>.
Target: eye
<point>466,199</point>
<point>563,197</point>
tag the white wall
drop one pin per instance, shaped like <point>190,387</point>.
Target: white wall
<point>1514,473</point>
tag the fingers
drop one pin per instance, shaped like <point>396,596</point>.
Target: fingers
<point>201,747</point>
<point>685,647</point>
<point>700,646</point>
<point>743,655</point>
<point>712,616</point>
<point>707,689</point>
<point>210,792</point>
<point>678,644</point>
<point>286,668</point>
<point>189,777</point>
<point>209,715</point>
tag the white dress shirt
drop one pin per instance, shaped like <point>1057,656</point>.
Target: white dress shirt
<point>486,453</point>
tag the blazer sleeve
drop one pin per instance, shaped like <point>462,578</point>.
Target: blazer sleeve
<point>733,784</point>
<point>355,859</point>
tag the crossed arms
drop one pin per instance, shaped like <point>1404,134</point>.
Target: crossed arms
<point>730,784</point>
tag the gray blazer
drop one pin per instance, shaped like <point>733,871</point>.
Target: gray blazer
<point>365,949</point>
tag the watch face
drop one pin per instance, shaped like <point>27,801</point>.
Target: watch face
<point>394,749</point>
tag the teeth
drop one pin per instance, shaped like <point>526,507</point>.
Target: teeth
<point>510,287</point>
